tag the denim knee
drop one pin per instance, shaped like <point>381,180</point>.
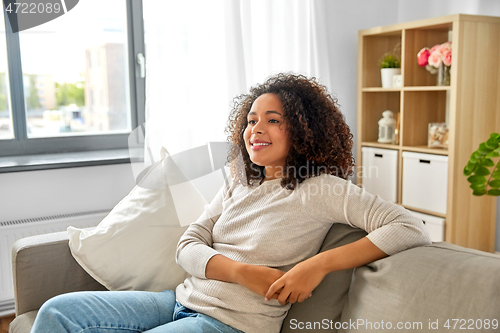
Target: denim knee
<point>55,304</point>
<point>51,315</point>
<point>115,311</point>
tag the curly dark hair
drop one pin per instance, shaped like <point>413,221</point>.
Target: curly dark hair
<point>321,141</point>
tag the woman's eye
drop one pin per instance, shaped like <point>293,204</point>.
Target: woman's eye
<point>253,122</point>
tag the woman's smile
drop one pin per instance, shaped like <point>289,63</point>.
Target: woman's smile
<point>258,144</point>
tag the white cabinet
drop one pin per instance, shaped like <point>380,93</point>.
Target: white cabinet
<point>380,172</point>
<point>425,181</point>
<point>434,225</point>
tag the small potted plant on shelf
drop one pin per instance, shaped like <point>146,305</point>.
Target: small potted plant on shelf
<point>390,65</point>
<point>477,168</point>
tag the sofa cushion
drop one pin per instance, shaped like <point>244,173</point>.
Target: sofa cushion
<point>330,295</point>
<point>133,247</point>
<point>429,285</point>
<point>23,323</point>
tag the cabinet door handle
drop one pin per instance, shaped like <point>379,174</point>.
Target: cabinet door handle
<point>425,161</point>
<point>378,155</point>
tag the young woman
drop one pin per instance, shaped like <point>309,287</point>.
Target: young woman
<point>253,252</point>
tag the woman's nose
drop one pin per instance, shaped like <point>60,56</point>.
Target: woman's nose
<point>258,128</point>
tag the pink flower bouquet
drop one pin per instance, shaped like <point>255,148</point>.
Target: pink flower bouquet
<point>432,59</point>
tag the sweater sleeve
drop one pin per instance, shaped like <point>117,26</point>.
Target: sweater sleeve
<point>194,249</point>
<point>391,227</point>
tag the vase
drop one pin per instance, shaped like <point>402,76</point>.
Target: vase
<point>443,76</point>
<point>387,74</point>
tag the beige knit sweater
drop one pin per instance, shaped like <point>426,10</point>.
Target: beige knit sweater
<point>269,225</point>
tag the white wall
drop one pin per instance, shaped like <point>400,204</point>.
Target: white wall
<point>421,9</point>
<point>32,194</point>
<point>345,18</point>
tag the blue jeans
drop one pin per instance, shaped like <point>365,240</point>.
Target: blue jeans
<point>122,312</point>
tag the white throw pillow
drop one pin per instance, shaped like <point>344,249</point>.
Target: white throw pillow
<point>133,248</point>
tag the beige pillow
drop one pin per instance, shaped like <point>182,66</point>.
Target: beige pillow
<point>133,248</point>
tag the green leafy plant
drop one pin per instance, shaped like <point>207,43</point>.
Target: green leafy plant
<point>390,60</point>
<point>478,168</point>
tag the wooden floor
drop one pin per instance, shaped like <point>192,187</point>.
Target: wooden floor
<point>4,324</point>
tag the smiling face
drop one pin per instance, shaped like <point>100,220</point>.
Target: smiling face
<point>266,139</point>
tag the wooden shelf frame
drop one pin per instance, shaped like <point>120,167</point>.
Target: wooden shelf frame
<point>470,106</point>
<point>416,88</point>
<point>401,148</point>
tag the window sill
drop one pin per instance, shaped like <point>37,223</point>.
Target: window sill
<point>68,160</point>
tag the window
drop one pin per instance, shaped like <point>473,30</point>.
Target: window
<point>73,83</point>
<point>5,116</point>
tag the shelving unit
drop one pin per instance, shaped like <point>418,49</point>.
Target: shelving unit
<point>470,106</point>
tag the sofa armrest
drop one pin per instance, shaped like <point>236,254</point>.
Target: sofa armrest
<point>425,287</point>
<point>43,267</point>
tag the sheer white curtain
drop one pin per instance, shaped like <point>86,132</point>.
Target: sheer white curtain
<point>200,54</point>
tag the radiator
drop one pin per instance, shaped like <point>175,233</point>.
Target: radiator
<point>10,231</point>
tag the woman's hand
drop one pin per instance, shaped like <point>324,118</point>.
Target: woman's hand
<point>258,279</point>
<point>298,283</point>
<point>253,277</point>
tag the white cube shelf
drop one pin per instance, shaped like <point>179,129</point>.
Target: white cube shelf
<point>425,181</point>
<point>380,172</point>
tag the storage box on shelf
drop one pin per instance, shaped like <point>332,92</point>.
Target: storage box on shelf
<point>470,106</point>
<point>425,181</point>
<point>433,224</point>
<point>380,172</point>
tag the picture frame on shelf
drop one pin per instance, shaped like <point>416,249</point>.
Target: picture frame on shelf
<point>397,81</point>
<point>438,135</point>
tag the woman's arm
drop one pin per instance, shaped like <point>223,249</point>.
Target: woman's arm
<point>195,253</point>
<point>256,278</point>
<point>298,283</point>
<point>390,227</point>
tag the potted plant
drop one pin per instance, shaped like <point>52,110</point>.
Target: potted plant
<point>477,168</point>
<point>390,65</point>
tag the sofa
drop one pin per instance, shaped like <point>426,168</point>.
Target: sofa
<point>439,288</point>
